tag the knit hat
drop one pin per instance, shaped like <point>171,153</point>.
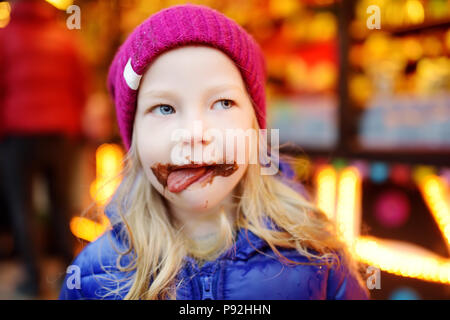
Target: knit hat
<point>174,27</point>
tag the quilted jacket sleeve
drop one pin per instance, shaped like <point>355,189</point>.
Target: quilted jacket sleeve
<point>75,280</point>
<point>344,285</point>
<point>93,274</point>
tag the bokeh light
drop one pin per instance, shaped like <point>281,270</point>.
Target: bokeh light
<point>379,172</point>
<point>400,174</point>
<point>5,11</point>
<point>392,209</point>
<point>60,4</point>
<point>404,293</point>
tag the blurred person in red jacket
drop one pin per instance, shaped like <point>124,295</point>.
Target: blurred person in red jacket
<point>43,88</point>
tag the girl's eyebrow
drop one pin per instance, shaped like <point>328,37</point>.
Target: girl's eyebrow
<point>223,87</point>
<point>211,90</point>
<point>159,94</point>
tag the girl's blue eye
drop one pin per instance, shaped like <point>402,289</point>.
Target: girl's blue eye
<point>163,109</point>
<point>223,104</point>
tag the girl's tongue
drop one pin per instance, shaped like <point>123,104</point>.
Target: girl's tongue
<point>180,179</point>
<point>177,179</point>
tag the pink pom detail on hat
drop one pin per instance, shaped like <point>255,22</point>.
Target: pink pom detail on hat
<point>174,27</point>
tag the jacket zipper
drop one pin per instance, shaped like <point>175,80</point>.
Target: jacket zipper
<point>207,288</point>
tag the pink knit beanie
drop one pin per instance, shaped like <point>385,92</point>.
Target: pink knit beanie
<point>177,26</point>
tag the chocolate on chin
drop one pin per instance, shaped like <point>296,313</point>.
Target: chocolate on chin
<point>178,177</point>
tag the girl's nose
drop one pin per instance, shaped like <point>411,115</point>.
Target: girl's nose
<point>197,135</point>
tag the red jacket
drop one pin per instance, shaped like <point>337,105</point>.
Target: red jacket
<point>43,84</point>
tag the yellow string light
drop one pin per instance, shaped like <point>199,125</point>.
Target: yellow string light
<point>403,259</point>
<point>326,190</point>
<point>434,192</point>
<point>347,212</point>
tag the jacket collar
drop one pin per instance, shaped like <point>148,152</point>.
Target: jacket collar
<point>248,243</point>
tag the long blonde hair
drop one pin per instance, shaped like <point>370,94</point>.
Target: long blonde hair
<point>158,247</point>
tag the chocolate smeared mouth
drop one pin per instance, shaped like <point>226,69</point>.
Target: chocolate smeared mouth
<point>178,177</point>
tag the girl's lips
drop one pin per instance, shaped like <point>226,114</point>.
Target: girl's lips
<point>185,175</point>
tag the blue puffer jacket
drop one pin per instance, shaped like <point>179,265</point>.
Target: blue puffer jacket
<point>241,273</point>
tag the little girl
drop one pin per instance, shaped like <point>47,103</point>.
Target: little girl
<point>194,217</point>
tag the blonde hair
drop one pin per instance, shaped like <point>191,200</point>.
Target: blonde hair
<point>158,246</point>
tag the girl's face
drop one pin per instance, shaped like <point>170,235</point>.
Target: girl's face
<point>184,94</point>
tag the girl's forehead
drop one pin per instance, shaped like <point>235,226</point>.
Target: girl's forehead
<point>192,49</point>
<point>192,65</point>
<point>196,59</point>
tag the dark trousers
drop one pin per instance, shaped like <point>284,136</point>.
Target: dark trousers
<point>53,157</point>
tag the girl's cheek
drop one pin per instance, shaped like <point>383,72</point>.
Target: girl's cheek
<point>154,144</point>
<point>234,119</point>
<point>244,118</point>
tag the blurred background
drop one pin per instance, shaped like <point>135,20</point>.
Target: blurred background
<point>365,107</point>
